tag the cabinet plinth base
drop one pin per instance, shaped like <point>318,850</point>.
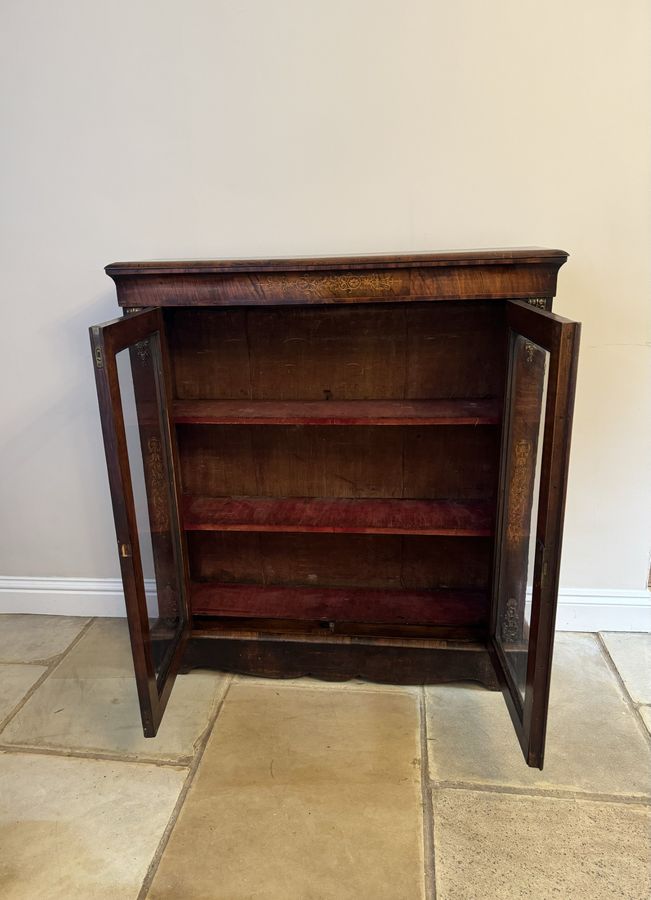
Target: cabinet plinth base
<point>382,663</point>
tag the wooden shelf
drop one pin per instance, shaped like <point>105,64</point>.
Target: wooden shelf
<point>337,412</point>
<point>359,605</point>
<point>426,517</point>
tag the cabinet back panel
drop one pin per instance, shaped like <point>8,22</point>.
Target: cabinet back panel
<point>333,560</point>
<point>451,462</point>
<point>416,351</point>
<point>413,351</point>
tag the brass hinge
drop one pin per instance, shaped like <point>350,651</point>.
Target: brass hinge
<point>99,358</point>
<point>125,551</point>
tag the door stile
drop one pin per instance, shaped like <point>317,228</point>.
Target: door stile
<point>175,471</point>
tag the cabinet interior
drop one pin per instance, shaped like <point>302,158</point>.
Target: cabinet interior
<point>339,464</point>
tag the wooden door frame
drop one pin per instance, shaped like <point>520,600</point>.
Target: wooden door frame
<point>107,340</point>
<point>560,337</point>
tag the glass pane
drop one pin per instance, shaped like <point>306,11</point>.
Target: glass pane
<point>149,463</point>
<point>525,427</point>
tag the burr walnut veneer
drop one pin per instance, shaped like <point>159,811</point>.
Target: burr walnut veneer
<point>341,467</point>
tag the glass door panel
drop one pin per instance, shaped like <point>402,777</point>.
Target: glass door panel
<point>148,456</point>
<point>524,422</point>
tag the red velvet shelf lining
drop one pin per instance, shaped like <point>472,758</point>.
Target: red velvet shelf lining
<point>426,517</point>
<point>361,605</point>
<point>337,412</point>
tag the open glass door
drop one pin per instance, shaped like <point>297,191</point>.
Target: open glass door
<point>543,350</point>
<point>132,377</point>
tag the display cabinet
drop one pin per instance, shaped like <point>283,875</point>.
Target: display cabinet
<point>341,467</point>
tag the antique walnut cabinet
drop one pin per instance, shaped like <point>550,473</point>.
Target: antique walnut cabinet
<point>341,467</point>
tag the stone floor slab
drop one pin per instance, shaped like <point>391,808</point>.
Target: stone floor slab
<point>631,654</point>
<point>32,638</point>
<point>302,794</point>
<point>89,702</point>
<point>491,846</point>
<point>15,681</point>
<point>594,741</point>
<point>80,829</point>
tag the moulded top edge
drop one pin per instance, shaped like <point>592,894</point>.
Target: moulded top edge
<point>363,261</point>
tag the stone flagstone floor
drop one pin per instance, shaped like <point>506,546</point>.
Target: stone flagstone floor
<point>302,790</point>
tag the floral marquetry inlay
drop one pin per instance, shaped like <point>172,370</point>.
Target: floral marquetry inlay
<point>158,510</point>
<point>518,527</point>
<point>143,351</point>
<point>346,284</point>
<point>510,628</point>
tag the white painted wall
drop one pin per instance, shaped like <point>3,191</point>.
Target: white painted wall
<point>204,128</point>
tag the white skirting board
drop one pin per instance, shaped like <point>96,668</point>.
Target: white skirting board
<point>579,609</point>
